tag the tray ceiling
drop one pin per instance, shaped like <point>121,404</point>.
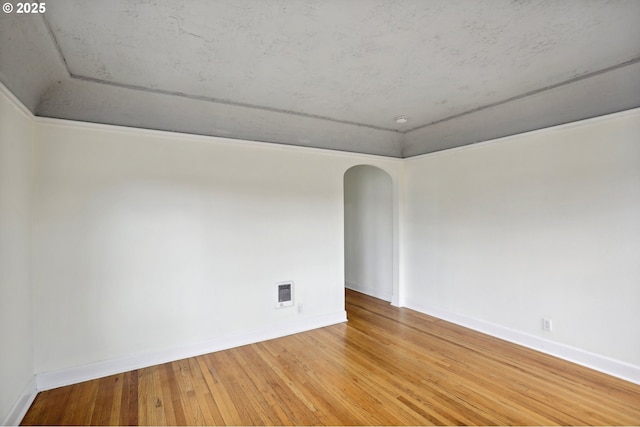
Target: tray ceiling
<point>328,74</point>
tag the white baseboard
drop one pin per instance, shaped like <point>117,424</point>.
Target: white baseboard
<point>367,291</point>
<point>22,405</point>
<point>613,367</point>
<point>63,377</point>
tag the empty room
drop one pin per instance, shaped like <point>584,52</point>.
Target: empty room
<point>305,212</point>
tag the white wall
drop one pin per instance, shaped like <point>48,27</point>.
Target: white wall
<point>542,224</point>
<point>368,216</point>
<point>146,241</point>
<point>16,340</point>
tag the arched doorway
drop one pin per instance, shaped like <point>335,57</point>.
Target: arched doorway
<point>368,231</point>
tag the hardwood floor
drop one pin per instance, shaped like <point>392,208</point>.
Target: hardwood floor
<point>386,366</point>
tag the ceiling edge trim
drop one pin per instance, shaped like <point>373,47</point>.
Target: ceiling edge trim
<point>156,133</point>
<point>226,102</point>
<point>4,90</point>
<point>530,93</point>
<point>509,138</point>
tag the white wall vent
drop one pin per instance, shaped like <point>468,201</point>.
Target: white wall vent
<point>284,294</point>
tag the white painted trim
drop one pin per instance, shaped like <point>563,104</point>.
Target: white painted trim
<point>510,138</point>
<point>64,377</point>
<point>607,365</point>
<point>22,405</point>
<point>367,291</point>
<point>15,101</point>
<point>24,401</point>
<point>131,130</point>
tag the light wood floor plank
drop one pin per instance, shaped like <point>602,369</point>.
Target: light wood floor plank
<point>220,405</point>
<point>386,366</point>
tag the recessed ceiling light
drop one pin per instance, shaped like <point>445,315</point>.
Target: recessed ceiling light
<point>401,119</point>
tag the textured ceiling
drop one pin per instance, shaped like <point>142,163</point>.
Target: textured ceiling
<point>329,74</point>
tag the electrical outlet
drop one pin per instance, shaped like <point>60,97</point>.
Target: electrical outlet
<point>300,308</point>
<point>547,325</point>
